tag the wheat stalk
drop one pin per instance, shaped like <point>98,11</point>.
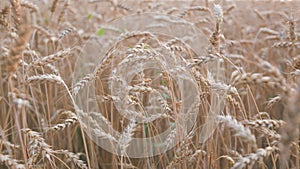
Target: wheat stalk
<point>250,159</point>
<point>10,162</point>
<point>70,120</point>
<point>238,128</point>
<point>126,136</point>
<point>37,146</point>
<point>45,78</point>
<point>65,32</point>
<point>16,10</point>
<point>63,11</point>
<point>51,58</point>
<point>74,158</point>
<point>29,5</point>
<point>267,123</point>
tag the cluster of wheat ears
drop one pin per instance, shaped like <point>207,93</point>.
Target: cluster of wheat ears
<point>239,61</point>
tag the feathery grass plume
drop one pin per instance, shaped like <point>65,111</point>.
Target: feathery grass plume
<point>10,162</point>
<point>252,158</point>
<point>238,128</point>
<point>51,58</point>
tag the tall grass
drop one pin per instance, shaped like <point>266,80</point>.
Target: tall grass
<point>234,64</point>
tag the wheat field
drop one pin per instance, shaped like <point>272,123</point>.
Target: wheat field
<point>100,84</point>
